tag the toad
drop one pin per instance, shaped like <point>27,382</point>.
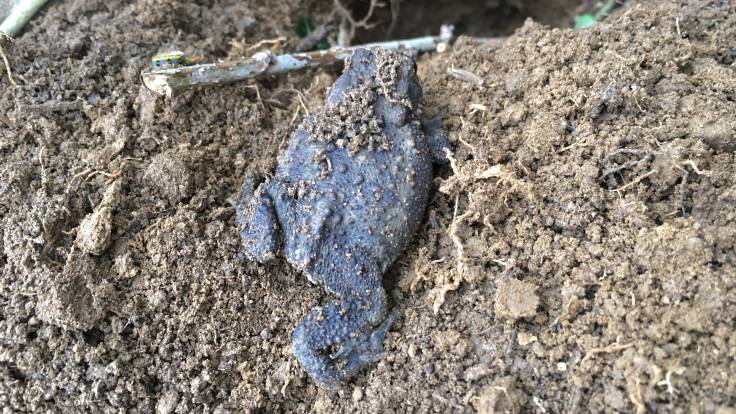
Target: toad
<point>347,196</point>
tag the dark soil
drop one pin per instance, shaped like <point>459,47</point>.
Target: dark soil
<point>577,256</point>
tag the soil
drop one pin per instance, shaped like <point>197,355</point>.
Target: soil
<point>577,254</point>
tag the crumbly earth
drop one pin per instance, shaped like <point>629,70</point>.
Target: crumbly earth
<point>593,174</point>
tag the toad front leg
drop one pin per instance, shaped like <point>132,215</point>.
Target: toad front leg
<point>257,216</point>
<point>335,341</point>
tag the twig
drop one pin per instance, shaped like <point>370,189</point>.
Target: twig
<point>313,38</point>
<point>453,162</point>
<point>20,15</point>
<point>636,180</point>
<point>300,97</point>
<point>565,313</point>
<point>258,94</point>
<point>395,7</point>
<point>581,142</point>
<point>44,175</point>
<point>3,38</point>
<point>667,381</point>
<point>614,347</point>
<point>441,292</point>
<point>456,240</point>
<point>351,22</point>
<point>266,42</point>
<point>623,166</point>
<point>636,396</point>
<point>694,166</point>
<point>538,403</point>
<point>467,144</point>
<point>174,80</point>
<point>465,76</point>
<point>54,105</point>
<point>683,188</point>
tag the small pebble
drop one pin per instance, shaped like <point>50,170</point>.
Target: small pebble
<point>412,351</point>
<point>525,338</point>
<point>357,394</point>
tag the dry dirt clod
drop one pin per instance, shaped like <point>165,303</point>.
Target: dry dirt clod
<point>525,338</point>
<point>167,402</point>
<point>95,230</point>
<point>501,397</point>
<point>515,299</point>
<point>719,134</point>
<point>78,297</point>
<point>170,175</point>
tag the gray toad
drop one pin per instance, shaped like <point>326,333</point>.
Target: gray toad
<point>347,197</point>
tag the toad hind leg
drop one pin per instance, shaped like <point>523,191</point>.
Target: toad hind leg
<point>436,138</point>
<point>351,325</point>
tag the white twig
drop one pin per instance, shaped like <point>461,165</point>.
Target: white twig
<point>465,76</point>
<point>174,80</point>
<point>21,13</point>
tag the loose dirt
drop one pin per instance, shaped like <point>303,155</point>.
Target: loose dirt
<point>577,254</point>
